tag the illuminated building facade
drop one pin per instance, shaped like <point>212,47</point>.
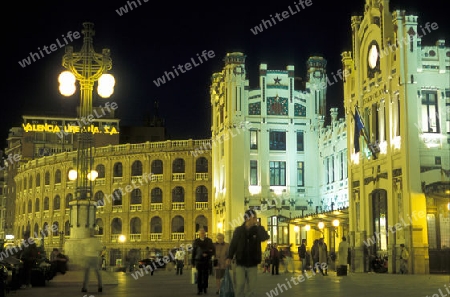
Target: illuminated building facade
<point>397,100</point>
<point>157,194</point>
<point>265,152</point>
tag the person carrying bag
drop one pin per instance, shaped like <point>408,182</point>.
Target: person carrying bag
<point>226,287</point>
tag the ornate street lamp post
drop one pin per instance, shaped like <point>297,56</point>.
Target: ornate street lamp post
<point>86,67</point>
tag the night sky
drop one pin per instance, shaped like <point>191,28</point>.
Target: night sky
<point>154,36</point>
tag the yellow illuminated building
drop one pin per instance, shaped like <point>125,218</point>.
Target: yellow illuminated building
<point>397,100</point>
<point>156,194</point>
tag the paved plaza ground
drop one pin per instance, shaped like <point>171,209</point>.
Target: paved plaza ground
<point>166,283</point>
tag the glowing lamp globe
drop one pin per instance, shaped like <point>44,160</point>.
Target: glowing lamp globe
<point>67,83</point>
<point>92,175</point>
<point>73,174</point>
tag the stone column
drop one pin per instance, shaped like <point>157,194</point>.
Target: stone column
<point>82,220</point>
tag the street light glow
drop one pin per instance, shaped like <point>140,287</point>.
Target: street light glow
<point>122,238</point>
<point>321,225</point>
<point>67,83</point>
<point>106,84</point>
<point>92,175</point>
<point>72,174</point>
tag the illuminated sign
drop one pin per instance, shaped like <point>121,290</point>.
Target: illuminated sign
<point>70,127</point>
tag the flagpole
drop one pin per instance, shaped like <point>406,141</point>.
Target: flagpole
<point>366,139</point>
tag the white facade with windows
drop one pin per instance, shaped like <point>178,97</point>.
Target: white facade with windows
<point>266,154</point>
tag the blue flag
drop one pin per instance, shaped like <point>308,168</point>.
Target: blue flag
<point>359,127</point>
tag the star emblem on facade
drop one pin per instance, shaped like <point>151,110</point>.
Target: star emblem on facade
<point>277,80</point>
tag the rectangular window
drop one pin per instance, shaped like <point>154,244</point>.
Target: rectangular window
<point>300,147</point>
<point>341,167</point>
<point>277,173</point>
<point>277,140</point>
<point>253,139</point>
<point>300,174</point>
<point>447,113</point>
<point>332,169</point>
<point>396,115</point>
<point>253,172</point>
<point>430,115</point>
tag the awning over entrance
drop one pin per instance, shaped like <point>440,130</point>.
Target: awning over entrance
<point>327,218</point>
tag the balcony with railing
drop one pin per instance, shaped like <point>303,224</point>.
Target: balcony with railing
<point>67,212</point>
<point>201,176</point>
<point>136,207</point>
<point>177,236</point>
<point>57,187</point>
<point>177,205</point>
<point>157,178</point>
<point>135,237</point>
<point>100,209</point>
<point>156,206</point>
<point>70,184</point>
<point>46,213</point>
<point>38,190</point>
<point>100,181</point>
<point>178,176</point>
<point>115,237</point>
<point>197,236</point>
<point>136,179</point>
<point>117,208</point>
<point>201,205</point>
<point>46,188</point>
<point>57,213</point>
<point>117,179</point>
<point>155,236</point>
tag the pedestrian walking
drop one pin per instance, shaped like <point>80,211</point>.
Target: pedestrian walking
<point>323,257</point>
<point>202,251</point>
<point>179,259</point>
<point>275,259</point>
<point>404,256</point>
<point>302,255</point>
<point>315,255</point>
<point>220,258</point>
<point>245,246</point>
<point>266,259</point>
<point>92,251</point>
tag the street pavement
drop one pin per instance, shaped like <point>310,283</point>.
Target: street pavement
<point>166,283</point>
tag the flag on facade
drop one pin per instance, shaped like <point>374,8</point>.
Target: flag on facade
<point>359,129</point>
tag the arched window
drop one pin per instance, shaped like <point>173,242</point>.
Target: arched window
<point>201,165</point>
<point>47,178</point>
<point>57,176</point>
<point>116,226</point>
<point>101,170</point>
<point>135,226</point>
<point>201,222</point>
<point>99,197</point>
<point>178,224</point>
<point>46,203</point>
<point>37,205</point>
<point>117,197</point>
<point>178,194</point>
<point>178,166</point>
<point>156,225</point>
<point>136,197</point>
<point>117,170</point>
<point>30,206</point>
<point>38,180</point>
<point>56,203</point>
<point>157,167</point>
<point>156,195</point>
<point>136,168</point>
<point>69,197</point>
<point>201,194</point>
